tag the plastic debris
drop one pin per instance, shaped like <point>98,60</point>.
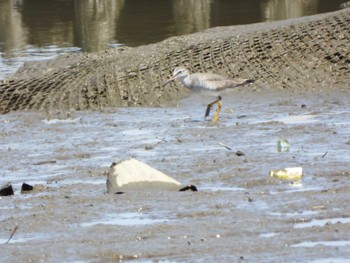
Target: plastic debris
<point>292,173</point>
<point>283,145</point>
<point>135,175</point>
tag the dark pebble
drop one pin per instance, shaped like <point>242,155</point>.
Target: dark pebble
<point>6,190</point>
<point>189,187</point>
<point>26,187</point>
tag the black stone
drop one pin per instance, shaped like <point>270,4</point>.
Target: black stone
<point>189,187</point>
<point>6,190</point>
<point>26,187</point>
<point>239,153</point>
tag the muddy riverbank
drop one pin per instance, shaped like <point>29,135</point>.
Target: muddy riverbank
<point>239,214</point>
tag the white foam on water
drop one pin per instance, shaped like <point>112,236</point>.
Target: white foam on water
<point>330,260</point>
<point>268,235</point>
<point>322,222</point>
<point>22,239</point>
<point>299,119</point>
<point>56,121</point>
<point>337,243</point>
<point>222,188</point>
<point>297,189</point>
<point>124,219</point>
<point>301,213</point>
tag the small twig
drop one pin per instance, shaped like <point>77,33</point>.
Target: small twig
<point>178,139</point>
<point>45,162</point>
<point>162,139</point>
<point>223,145</point>
<point>12,234</point>
<point>324,154</point>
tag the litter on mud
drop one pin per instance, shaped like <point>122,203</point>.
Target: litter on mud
<point>283,145</point>
<point>293,173</point>
<point>135,175</point>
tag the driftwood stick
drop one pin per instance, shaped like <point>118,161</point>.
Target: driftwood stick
<point>12,234</point>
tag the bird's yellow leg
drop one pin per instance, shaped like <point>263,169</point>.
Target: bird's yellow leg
<point>216,119</point>
<point>210,106</point>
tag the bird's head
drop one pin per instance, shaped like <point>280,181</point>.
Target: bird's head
<point>178,73</point>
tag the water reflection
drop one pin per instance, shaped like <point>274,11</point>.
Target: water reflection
<point>278,10</point>
<point>11,29</point>
<point>93,25</point>
<point>141,22</point>
<point>191,15</point>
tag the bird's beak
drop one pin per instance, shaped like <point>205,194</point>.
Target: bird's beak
<point>169,80</point>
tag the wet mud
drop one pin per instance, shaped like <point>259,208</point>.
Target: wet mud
<point>239,213</point>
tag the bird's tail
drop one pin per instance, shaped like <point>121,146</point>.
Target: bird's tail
<point>241,82</point>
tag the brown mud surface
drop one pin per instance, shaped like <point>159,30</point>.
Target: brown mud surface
<point>239,214</point>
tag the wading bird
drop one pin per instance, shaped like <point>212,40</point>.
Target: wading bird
<point>208,82</point>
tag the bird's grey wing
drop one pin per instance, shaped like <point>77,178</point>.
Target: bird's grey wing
<point>219,82</point>
<point>208,81</point>
<point>209,77</point>
<point>213,82</point>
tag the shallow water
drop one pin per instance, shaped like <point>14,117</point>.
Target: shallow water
<point>68,157</point>
<point>54,149</point>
